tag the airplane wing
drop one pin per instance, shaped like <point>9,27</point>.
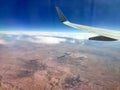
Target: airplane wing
<point>104,34</point>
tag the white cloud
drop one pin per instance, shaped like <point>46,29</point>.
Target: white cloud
<point>66,34</point>
<point>47,40</point>
<point>2,41</point>
<point>48,37</point>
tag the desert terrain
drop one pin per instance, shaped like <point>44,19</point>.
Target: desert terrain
<point>27,65</point>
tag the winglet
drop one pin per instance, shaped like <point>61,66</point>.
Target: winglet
<point>60,14</point>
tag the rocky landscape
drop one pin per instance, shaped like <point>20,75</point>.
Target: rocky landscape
<point>37,66</point>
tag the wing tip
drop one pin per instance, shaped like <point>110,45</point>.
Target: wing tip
<point>60,14</point>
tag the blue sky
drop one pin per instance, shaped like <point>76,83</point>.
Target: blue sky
<point>41,14</point>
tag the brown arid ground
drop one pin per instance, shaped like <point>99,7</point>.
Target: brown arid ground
<point>64,66</point>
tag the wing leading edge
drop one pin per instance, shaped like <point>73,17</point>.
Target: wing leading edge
<point>105,34</point>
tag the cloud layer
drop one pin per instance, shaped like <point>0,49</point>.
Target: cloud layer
<point>2,41</point>
<point>43,37</point>
<point>47,40</point>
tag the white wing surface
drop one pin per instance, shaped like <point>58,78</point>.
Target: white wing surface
<point>104,34</point>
